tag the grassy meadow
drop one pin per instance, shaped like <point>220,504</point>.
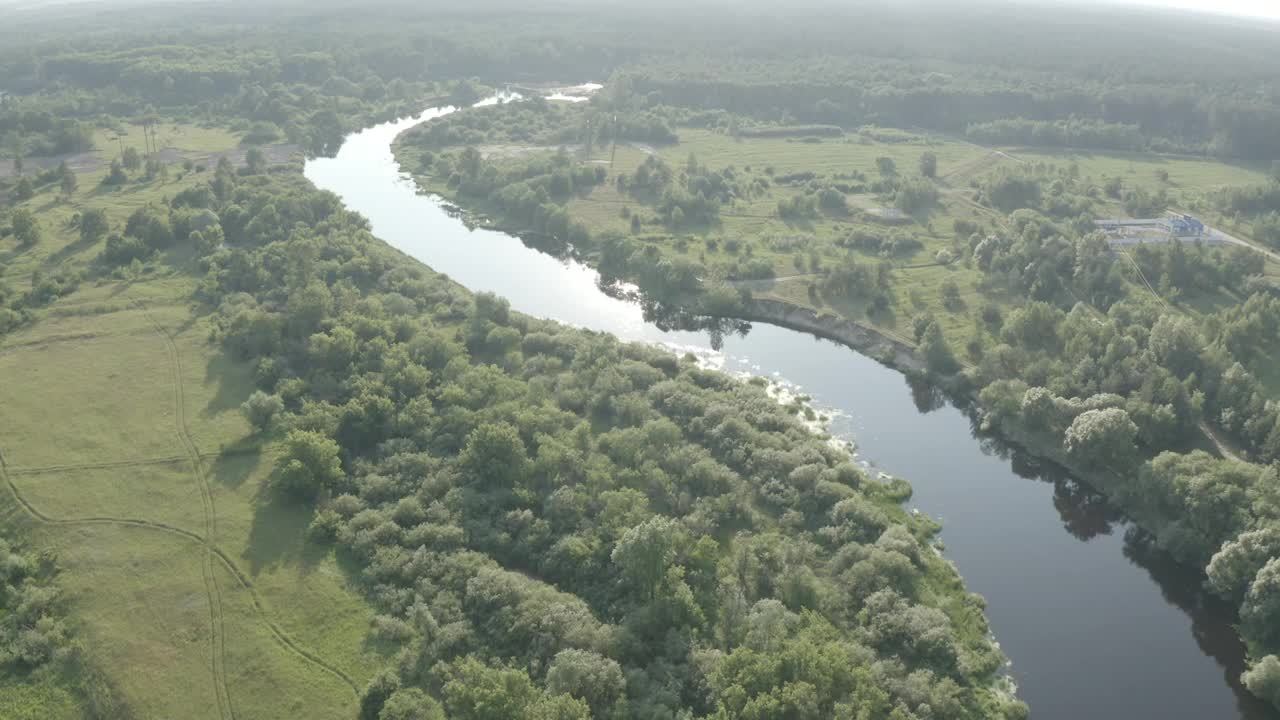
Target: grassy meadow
<point>126,453</point>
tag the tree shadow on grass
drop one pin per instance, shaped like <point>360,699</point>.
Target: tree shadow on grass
<point>48,205</point>
<point>102,190</point>
<point>383,648</point>
<point>234,384</point>
<point>13,254</point>
<point>803,224</point>
<point>278,535</point>
<point>121,287</point>
<point>237,463</point>
<point>68,251</point>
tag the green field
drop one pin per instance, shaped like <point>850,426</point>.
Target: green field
<point>1184,172</point>
<point>176,136</point>
<point>188,584</point>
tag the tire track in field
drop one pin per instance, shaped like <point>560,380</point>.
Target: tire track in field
<point>280,635</point>
<point>143,462</point>
<point>171,460</point>
<point>95,520</point>
<point>193,451</point>
<point>277,632</point>
<point>217,619</point>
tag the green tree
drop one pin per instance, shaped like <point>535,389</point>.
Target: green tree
<point>155,169</point>
<point>25,227</point>
<point>308,307</point>
<point>131,159</point>
<point>1176,343</point>
<point>261,409</point>
<point>151,226</point>
<point>1263,679</point>
<point>914,194</point>
<point>475,691</point>
<point>1260,613</point>
<point>1102,438</point>
<point>208,240</point>
<point>929,165</point>
<point>1040,411</point>
<point>643,553</point>
<point>310,464</point>
<point>464,94</point>
<point>886,166</point>
<point>1009,192</point>
<point>951,297</point>
<point>255,161</point>
<point>67,181</point>
<point>94,225</point>
<point>376,693</point>
<point>1234,567</point>
<point>116,174</point>
<point>23,190</point>
<point>470,162</point>
<point>594,678</point>
<point>937,353</point>
<point>411,704</point>
<point>494,456</point>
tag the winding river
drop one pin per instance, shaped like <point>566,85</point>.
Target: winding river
<point>1098,625</point>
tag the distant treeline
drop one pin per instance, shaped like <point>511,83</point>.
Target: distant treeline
<point>1059,133</point>
<point>777,131</point>
<point>1131,119</point>
<point>45,131</point>
<point>1127,80</point>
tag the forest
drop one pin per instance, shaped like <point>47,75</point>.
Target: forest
<point>540,521</point>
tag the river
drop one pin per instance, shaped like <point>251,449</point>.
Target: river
<point>1096,623</point>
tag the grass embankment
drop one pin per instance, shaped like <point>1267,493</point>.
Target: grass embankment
<point>188,585</point>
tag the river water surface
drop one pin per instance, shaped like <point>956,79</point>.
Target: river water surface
<point>1097,625</point>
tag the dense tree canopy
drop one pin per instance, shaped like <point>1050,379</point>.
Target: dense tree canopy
<point>555,524</point>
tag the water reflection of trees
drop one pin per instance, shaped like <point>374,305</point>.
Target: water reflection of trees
<point>1086,514</point>
<point>669,317</point>
<point>1212,620</point>
<point>926,395</point>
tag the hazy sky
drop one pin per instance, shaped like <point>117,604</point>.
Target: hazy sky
<point>1251,8</point>
<point>1247,8</point>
